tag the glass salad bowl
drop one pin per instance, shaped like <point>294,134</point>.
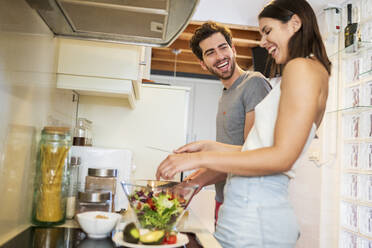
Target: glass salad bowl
<point>158,205</point>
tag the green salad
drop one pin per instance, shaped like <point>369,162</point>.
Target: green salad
<point>156,210</point>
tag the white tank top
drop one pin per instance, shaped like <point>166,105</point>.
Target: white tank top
<point>262,132</point>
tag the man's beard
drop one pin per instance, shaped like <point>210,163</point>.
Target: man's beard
<point>222,76</point>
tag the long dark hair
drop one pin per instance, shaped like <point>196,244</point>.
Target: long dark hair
<point>307,40</point>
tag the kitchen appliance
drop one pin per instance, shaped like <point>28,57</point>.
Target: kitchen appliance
<point>140,22</point>
<point>105,158</point>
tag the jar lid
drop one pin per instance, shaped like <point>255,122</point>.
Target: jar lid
<point>99,172</point>
<point>75,161</point>
<point>56,130</point>
<point>94,196</point>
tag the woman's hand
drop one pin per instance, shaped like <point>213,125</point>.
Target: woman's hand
<point>189,157</point>
<point>197,146</point>
<point>176,163</point>
<point>207,145</point>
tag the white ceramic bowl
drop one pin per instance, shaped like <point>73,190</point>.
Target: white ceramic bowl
<point>97,226</point>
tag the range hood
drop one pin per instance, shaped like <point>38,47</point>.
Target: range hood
<point>143,22</point>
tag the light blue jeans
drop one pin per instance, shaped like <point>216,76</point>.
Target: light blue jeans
<point>256,213</point>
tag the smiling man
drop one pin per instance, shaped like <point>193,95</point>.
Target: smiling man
<point>212,44</point>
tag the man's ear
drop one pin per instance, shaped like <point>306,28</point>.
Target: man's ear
<point>202,64</point>
<point>296,23</point>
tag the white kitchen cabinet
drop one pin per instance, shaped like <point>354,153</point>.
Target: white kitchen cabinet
<point>102,68</point>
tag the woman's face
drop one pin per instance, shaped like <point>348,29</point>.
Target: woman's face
<point>275,38</point>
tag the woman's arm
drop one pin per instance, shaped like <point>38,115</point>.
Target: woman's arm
<point>207,145</point>
<point>298,110</point>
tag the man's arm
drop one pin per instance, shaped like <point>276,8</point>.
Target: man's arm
<point>204,177</point>
<point>249,121</point>
<point>254,91</point>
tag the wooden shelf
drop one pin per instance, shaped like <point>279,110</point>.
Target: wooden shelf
<point>244,39</point>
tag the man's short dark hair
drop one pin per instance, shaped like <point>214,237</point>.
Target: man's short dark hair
<point>206,30</point>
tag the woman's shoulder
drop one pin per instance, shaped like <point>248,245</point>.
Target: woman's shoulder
<point>305,75</point>
<point>305,67</point>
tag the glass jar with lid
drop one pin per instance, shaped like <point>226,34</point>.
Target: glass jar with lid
<point>51,180</point>
<point>102,179</point>
<point>93,201</point>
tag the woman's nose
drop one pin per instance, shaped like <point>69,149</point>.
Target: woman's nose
<point>263,42</point>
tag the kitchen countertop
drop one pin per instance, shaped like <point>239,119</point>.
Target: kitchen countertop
<point>70,235</point>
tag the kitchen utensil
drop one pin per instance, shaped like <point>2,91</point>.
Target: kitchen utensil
<point>159,149</point>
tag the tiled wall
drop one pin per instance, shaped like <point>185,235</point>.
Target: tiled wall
<point>29,100</point>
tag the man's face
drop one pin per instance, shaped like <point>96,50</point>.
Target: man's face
<point>218,56</point>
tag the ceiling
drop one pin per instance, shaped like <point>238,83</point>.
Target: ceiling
<point>239,15</point>
<point>244,12</point>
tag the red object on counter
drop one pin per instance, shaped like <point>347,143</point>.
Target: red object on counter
<point>170,239</point>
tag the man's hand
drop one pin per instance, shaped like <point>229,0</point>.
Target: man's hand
<point>195,174</point>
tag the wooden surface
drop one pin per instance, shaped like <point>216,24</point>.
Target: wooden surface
<point>244,38</point>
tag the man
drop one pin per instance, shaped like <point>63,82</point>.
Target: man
<point>212,44</point>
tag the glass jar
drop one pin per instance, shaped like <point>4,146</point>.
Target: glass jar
<point>51,180</point>
<point>93,201</point>
<point>83,133</point>
<point>73,186</point>
<point>88,134</point>
<point>100,179</point>
<point>79,133</point>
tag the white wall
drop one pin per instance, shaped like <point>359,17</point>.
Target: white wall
<point>28,101</point>
<point>159,120</point>
<point>305,196</point>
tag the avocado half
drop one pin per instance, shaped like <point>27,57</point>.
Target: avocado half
<point>131,233</point>
<point>152,237</point>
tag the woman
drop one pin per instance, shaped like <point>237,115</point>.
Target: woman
<point>256,211</point>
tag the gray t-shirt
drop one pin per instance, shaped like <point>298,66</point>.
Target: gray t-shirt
<point>242,97</point>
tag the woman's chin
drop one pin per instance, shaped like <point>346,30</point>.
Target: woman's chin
<point>279,61</point>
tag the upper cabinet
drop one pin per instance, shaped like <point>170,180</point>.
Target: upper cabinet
<point>102,68</point>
